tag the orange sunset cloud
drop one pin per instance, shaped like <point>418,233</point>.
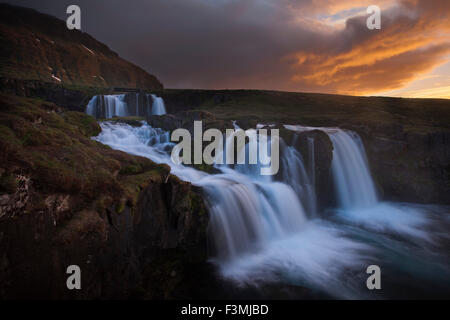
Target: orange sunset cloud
<point>413,40</point>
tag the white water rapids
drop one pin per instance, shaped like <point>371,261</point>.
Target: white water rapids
<point>263,230</point>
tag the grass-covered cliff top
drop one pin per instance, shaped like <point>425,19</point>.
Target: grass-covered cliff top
<point>314,109</point>
<point>52,147</point>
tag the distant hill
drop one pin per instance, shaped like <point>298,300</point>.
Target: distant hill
<point>36,46</point>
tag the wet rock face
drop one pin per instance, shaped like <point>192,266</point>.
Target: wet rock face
<point>171,215</point>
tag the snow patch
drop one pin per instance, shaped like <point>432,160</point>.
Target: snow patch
<point>92,52</point>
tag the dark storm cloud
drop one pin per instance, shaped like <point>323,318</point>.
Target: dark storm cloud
<point>268,44</point>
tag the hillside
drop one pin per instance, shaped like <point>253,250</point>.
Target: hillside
<point>36,46</point>
<point>313,109</point>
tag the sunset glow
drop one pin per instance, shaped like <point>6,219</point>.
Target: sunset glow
<point>413,42</point>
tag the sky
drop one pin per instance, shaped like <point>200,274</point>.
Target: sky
<point>290,45</point>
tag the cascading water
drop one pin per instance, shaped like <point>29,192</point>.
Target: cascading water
<point>115,106</point>
<point>245,211</point>
<point>91,108</point>
<point>259,227</point>
<point>352,178</point>
<point>351,175</point>
<point>158,107</point>
<point>245,215</point>
<point>109,106</point>
<point>355,190</point>
<point>295,175</point>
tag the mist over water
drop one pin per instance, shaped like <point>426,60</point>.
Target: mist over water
<point>264,230</point>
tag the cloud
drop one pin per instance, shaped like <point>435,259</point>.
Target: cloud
<point>299,45</point>
<point>410,43</point>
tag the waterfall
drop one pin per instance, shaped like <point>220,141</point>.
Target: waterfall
<point>245,214</point>
<point>245,211</point>
<point>258,227</point>
<point>259,230</point>
<point>158,107</point>
<point>294,174</point>
<point>351,175</point>
<point>109,106</point>
<point>115,106</point>
<point>91,108</point>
